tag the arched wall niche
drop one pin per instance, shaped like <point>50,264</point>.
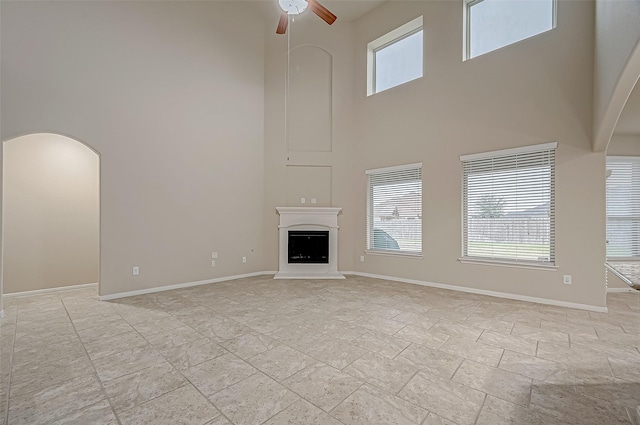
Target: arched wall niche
<point>310,99</point>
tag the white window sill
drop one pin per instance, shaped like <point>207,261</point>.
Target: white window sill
<point>621,259</point>
<point>395,253</point>
<point>514,264</point>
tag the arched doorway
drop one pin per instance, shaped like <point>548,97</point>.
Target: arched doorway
<point>626,82</point>
<point>51,213</point>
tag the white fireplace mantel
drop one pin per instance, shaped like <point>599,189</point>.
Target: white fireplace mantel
<point>308,218</point>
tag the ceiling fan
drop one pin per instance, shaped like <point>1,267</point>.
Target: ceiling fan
<point>296,7</point>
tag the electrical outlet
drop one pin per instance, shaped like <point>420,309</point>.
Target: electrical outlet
<point>214,255</point>
<point>213,263</point>
<point>303,201</point>
<point>244,259</point>
<point>314,201</point>
<point>362,258</point>
<point>135,271</point>
<point>567,279</point>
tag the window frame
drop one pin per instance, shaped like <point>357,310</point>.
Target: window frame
<point>369,212</point>
<point>466,28</point>
<point>506,153</point>
<point>410,28</point>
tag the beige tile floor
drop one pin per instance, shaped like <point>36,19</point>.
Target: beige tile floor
<point>360,351</point>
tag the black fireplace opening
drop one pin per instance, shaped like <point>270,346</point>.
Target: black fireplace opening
<point>308,247</point>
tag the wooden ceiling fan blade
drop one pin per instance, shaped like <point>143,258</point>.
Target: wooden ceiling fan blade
<point>322,12</point>
<point>282,23</point>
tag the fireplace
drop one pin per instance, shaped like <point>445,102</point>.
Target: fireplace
<point>308,247</point>
<point>308,243</point>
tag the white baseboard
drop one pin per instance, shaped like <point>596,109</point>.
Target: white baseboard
<point>621,290</point>
<point>179,286</point>
<point>371,275</point>
<point>50,290</point>
<point>490,293</point>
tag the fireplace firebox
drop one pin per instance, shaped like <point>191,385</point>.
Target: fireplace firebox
<point>308,247</point>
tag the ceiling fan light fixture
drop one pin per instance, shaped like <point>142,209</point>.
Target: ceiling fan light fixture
<point>293,7</point>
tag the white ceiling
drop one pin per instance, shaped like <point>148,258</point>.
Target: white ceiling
<point>629,122</point>
<point>345,10</point>
<point>351,10</point>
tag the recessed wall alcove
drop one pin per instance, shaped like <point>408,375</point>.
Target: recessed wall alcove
<point>309,100</point>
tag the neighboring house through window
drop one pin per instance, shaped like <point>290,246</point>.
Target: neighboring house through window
<point>394,209</point>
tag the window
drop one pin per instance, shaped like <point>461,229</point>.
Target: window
<point>394,209</point>
<point>492,24</point>
<point>395,58</point>
<point>508,206</point>
<point>623,207</point>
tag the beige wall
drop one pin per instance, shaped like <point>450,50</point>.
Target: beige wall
<point>617,63</point>
<point>1,233</point>
<point>624,146</point>
<point>51,213</point>
<point>185,102</point>
<point>527,93</point>
<point>171,96</point>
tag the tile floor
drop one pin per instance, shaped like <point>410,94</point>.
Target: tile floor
<point>360,351</point>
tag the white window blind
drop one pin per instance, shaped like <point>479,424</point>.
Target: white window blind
<point>508,205</point>
<point>394,209</point>
<point>623,207</point>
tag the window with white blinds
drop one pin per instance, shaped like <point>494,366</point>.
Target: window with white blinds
<point>508,205</point>
<point>394,209</point>
<point>623,207</point>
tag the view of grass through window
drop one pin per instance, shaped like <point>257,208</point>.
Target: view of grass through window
<point>508,214</point>
<point>508,208</point>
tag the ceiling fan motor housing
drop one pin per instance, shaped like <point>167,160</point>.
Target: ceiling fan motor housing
<point>293,7</point>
